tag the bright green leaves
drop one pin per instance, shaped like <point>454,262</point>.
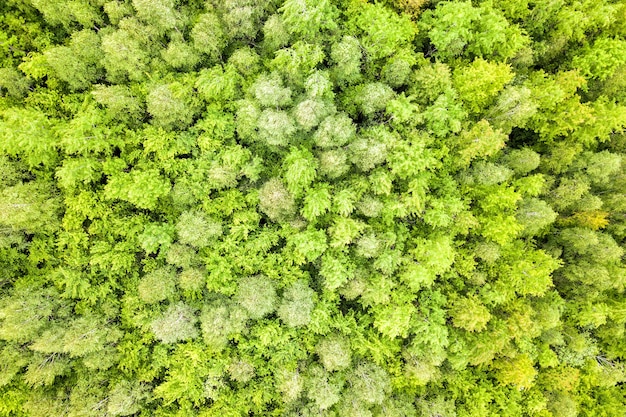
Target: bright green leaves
<point>143,188</point>
<point>77,64</point>
<point>120,101</point>
<point>518,371</point>
<point>470,314</point>
<point>189,379</point>
<point>268,90</point>
<point>77,172</point>
<point>196,229</point>
<point>535,215</point>
<point>334,352</point>
<point>208,37</point>
<point>444,116</point>
<point>316,202</point>
<point>159,13</point>
<point>221,322</point>
<point>393,320</point>
<point>372,97</point>
<point>309,19</point>
<point>336,270</point>
<point>600,60</point>
<point>369,383</point>
<point>383,32</point>
<point>126,55</point>
<point>307,246</point>
<point>171,105</point>
<point>347,56</point>
<point>309,208</point>
<point>479,82</point>
<point>300,170</point>
<point>437,254</point>
<point>23,315</point>
<point>297,62</point>
<point>480,141</point>
<point>275,127</point>
<point>156,236</point>
<point>29,135</point>
<point>334,131</point>
<point>126,398</point>
<point>459,29</point>
<point>30,207</point>
<point>218,84</point>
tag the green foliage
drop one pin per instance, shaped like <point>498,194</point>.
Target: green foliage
<point>257,295</point>
<point>275,200</point>
<point>208,36</point>
<point>297,305</point>
<point>176,324</point>
<point>141,188</point>
<point>171,105</point>
<point>78,63</point>
<point>480,82</point>
<point>460,29</point>
<point>312,208</point>
<point>195,229</point>
<point>157,285</point>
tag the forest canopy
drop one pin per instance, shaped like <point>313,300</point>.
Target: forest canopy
<point>338,208</point>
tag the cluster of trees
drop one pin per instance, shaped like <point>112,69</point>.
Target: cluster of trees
<point>312,208</point>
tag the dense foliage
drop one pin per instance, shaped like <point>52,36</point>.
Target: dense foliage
<point>312,208</point>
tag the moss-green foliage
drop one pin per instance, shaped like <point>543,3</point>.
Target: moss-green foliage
<point>402,208</point>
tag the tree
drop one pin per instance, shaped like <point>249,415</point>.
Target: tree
<point>310,112</point>
<point>369,382</point>
<point>297,304</point>
<point>470,314</point>
<point>257,295</point>
<point>276,127</point>
<point>322,388</point>
<point>459,29</point>
<point>334,353</point>
<point>157,285</point>
<point>518,371</point>
<point>334,131</point>
<point>142,188</point>
<point>13,83</point>
<point>383,32</point>
<point>269,91</point>
<point>30,207</point>
<point>534,215</point>
<point>177,324</point>
<point>479,83</point>
<point>126,398</point>
<point>180,55</point>
<point>522,161</point>
<point>601,59</point>
<point>275,33</point>
<point>120,101</point>
<point>196,229</point>
<point>208,36</point>
<point>275,200</point>
<point>171,105</point>
<point>125,51</point>
<point>347,56</point>
<point>307,19</point>
<point>220,322</point>
<point>160,14</point>
<point>480,141</point>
